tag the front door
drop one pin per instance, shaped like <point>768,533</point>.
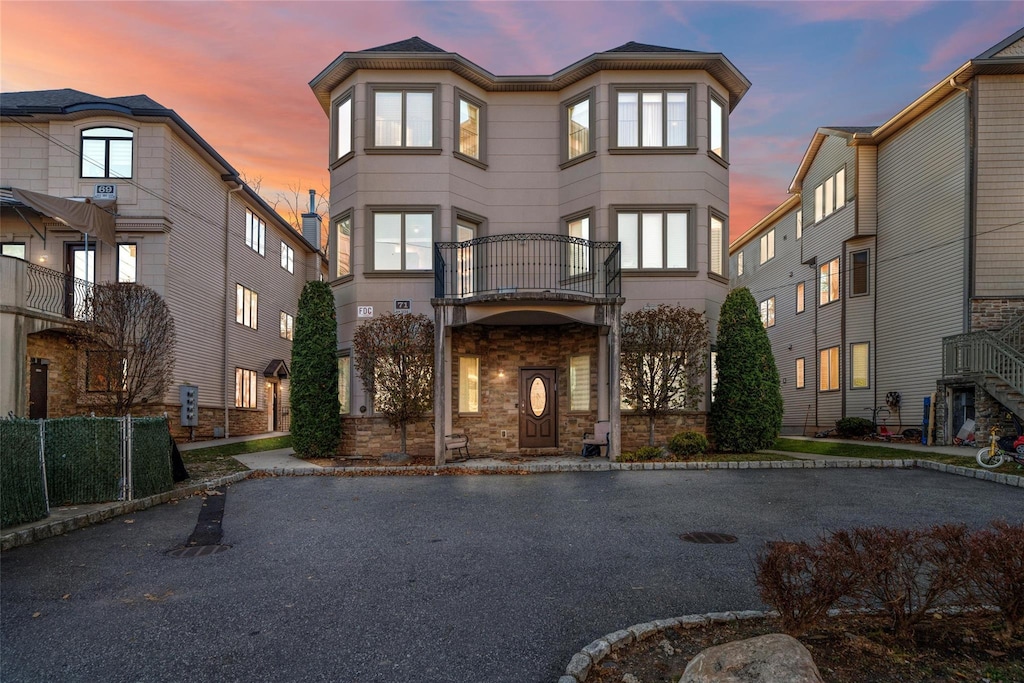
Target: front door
<point>271,406</point>
<point>37,389</point>
<point>538,408</point>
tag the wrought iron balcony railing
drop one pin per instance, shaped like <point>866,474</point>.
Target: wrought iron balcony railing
<point>527,264</point>
<point>36,288</point>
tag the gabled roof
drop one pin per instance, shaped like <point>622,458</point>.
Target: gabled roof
<point>417,54</point>
<point>791,203</point>
<point>67,103</point>
<point>414,44</point>
<point>633,46</point>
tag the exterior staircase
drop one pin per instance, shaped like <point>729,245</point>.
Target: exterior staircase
<point>993,360</point>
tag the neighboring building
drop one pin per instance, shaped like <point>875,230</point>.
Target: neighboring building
<point>525,215</point>
<point>895,241</point>
<point>183,223</point>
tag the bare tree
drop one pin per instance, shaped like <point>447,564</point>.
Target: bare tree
<point>296,202</point>
<point>130,345</point>
<point>254,182</point>
<point>663,360</point>
<point>395,360</point>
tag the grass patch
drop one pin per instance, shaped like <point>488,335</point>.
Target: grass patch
<point>713,457</point>
<point>860,450</point>
<point>217,461</point>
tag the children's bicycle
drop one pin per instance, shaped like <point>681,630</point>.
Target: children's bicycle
<point>994,455</point>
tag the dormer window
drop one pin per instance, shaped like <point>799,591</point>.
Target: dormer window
<point>107,152</point>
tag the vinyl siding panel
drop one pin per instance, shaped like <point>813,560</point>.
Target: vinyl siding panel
<point>922,186</point>
<point>999,228</point>
<point>195,281</point>
<point>860,328</point>
<point>867,189</point>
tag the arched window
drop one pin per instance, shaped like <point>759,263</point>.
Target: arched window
<point>107,152</point>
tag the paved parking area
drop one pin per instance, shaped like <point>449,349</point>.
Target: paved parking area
<point>436,578</point>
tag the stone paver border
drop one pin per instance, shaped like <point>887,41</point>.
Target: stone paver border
<point>583,661</point>
<point>46,529</point>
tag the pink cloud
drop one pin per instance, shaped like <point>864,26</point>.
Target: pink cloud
<point>752,197</point>
<point>974,36</point>
<point>829,10</point>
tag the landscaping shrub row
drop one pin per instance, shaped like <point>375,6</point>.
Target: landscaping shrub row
<point>902,573</point>
<point>682,446</point>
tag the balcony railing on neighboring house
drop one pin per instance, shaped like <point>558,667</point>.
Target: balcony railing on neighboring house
<point>521,264</point>
<point>993,354</point>
<point>34,288</point>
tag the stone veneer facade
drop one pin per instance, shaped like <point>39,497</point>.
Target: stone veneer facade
<point>994,314</point>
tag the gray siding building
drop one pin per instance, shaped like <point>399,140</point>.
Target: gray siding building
<point>909,253</point>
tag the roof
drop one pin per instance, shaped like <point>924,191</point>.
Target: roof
<point>852,130</point>
<point>414,44</point>
<point>633,46</point>
<point>66,102</point>
<point>791,203</point>
<point>417,54</point>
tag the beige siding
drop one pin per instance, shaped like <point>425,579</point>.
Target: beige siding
<point>999,228</point>
<point>922,190</point>
<point>867,189</point>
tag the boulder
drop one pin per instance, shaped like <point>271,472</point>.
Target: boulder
<point>772,658</point>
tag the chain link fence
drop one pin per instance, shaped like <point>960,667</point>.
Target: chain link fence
<point>78,460</point>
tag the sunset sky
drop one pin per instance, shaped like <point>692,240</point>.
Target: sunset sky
<point>238,72</point>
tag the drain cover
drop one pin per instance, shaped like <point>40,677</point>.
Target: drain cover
<point>198,550</point>
<point>707,537</point>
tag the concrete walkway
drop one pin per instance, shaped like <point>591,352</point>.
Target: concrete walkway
<point>210,443</point>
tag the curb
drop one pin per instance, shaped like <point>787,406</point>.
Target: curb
<point>56,528</point>
<point>578,668</point>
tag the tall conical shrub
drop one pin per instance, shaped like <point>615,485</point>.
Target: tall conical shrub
<point>746,412</point>
<point>316,422</point>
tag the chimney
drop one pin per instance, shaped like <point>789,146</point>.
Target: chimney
<point>311,223</point>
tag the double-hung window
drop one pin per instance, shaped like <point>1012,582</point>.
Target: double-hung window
<point>739,264</point>
<point>342,132</point>
<point>469,384</point>
<point>287,258</point>
<point>107,152</point>
<point>859,366</point>
<point>403,240</point>
<point>344,383</point>
<point>579,383</point>
<point>127,263</point>
<point>718,124</point>
<point>245,306</point>
<point>287,326</point>
<point>716,240</point>
<point>578,127</point>
<point>652,118</point>
<point>830,196</point>
<point>255,232</point>
<point>343,246</point>
<point>404,117</point>
<point>859,273</point>
<point>828,369</point>
<point>245,388</point>
<point>656,239</point>
<point>828,282</point>
<point>799,373</point>
<point>799,297</point>
<point>799,223</point>
<point>470,129</point>
<point>768,246</point>
<point>768,312</point>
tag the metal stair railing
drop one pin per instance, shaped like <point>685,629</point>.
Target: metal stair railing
<point>983,353</point>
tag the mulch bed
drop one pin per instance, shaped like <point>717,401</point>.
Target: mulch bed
<point>848,649</point>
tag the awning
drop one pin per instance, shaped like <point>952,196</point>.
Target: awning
<point>276,368</point>
<point>90,216</point>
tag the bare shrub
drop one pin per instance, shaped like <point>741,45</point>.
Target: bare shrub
<point>996,575</point>
<point>904,572</point>
<point>803,581</point>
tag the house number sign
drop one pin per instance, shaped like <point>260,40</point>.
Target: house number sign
<point>403,306</point>
<point>365,311</point>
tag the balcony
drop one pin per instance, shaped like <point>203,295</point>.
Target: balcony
<point>527,266</point>
<point>28,288</point>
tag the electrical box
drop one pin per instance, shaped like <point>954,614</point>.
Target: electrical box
<point>188,395</point>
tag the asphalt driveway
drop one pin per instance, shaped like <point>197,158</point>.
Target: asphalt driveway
<point>474,578</point>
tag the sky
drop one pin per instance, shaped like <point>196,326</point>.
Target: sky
<point>238,72</point>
